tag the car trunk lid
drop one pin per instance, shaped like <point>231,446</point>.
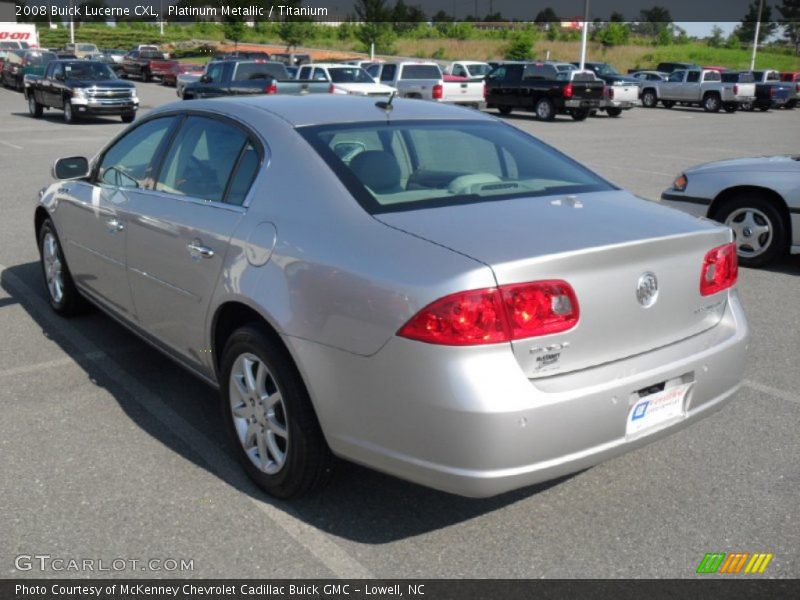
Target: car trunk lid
<point>602,244</point>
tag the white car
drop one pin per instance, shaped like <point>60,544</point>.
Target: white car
<point>471,69</point>
<point>759,198</point>
<point>345,79</point>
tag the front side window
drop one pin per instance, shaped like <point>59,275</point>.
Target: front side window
<point>387,74</point>
<point>201,159</point>
<point>129,162</point>
<point>693,77</point>
<point>214,72</point>
<point>319,75</point>
<point>677,77</point>
<point>305,73</point>
<point>412,164</point>
<point>349,75</point>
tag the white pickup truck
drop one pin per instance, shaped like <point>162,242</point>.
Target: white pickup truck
<point>426,81</point>
<point>697,87</point>
<point>470,69</point>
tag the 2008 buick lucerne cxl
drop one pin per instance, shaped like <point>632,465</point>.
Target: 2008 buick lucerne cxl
<point>418,288</point>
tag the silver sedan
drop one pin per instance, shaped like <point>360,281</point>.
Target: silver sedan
<point>418,288</point>
<point>759,198</point>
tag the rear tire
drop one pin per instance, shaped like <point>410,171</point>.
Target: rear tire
<point>579,114</point>
<point>544,109</point>
<point>668,103</point>
<point>790,104</point>
<point>146,75</point>
<point>712,103</point>
<point>729,107</point>
<point>747,106</point>
<point>269,416</point>
<point>764,107</point>
<point>613,112</point>
<point>504,110</point>
<point>64,297</point>
<point>649,98</point>
<point>128,118</point>
<point>760,230</point>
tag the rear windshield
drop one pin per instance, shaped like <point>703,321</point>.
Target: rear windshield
<point>421,72</point>
<point>86,47</point>
<point>349,75</point>
<point>479,70</point>
<point>407,165</point>
<point>259,70</point>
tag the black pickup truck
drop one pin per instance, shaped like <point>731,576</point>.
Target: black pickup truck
<point>248,77</point>
<point>81,88</point>
<point>543,89</point>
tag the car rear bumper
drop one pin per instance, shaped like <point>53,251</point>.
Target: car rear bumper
<point>581,103</point>
<point>623,104</point>
<point>467,420</point>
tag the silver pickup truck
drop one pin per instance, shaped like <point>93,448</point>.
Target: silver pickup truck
<point>426,81</point>
<point>697,87</point>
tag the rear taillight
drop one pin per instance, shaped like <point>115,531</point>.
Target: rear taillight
<point>438,91</point>
<point>331,89</point>
<point>735,89</point>
<point>486,91</point>
<point>771,90</point>
<point>495,315</point>
<point>610,93</point>
<point>272,88</point>
<point>720,270</point>
<point>567,91</point>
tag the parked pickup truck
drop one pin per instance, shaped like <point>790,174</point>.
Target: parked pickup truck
<point>243,77</point>
<point>344,79</point>
<point>425,80</point>
<point>146,64</point>
<point>771,92</point>
<point>469,69</point>
<point>81,88</point>
<point>543,89</point>
<point>697,87</point>
<point>792,77</point>
<point>622,91</point>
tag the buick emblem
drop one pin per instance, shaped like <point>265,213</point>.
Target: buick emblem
<point>647,289</point>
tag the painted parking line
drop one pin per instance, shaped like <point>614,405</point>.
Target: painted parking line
<point>318,543</point>
<point>10,145</point>
<point>768,389</point>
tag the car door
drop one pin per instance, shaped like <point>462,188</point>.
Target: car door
<point>670,89</point>
<point>90,214</point>
<point>179,231</point>
<point>690,90</point>
<point>211,84</point>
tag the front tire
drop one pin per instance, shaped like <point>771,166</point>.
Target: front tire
<point>146,76</point>
<point>504,110</point>
<point>580,114</point>
<point>759,228</point>
<point>613,112</point>
<point>61,291</point>
<point>544,109</point>
<point>268,414</point>
<point>34,107</point>
<point>69,114</point>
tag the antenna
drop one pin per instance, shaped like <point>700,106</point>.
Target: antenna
<point>387,104</point>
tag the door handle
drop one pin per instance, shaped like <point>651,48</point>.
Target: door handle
<point>114,225</point>
<point>197,249</point>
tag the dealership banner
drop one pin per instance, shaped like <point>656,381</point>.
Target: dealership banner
<point>566,11</point>
<point>421,589</point>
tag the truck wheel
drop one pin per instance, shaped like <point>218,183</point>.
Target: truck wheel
<point>730,107</point>
<point>649,98</point>
<point>34,107</point>
<point>128,118</point>
<point>790,104</point>
<point>269,417</point>
<point>613,112</point>
<point>544,110</point>
<point>712,103</point>
<point>758,226</point>
<point>668,103</point>
<point>764,107</point>
<point>145,75</point>
<point>579,114</point>
<point>504,110</point>
<point>69,116</point>
<point>747,106</point>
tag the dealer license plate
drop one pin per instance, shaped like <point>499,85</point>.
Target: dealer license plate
<point>655,409</point>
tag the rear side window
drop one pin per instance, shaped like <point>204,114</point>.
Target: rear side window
<point>305,73</point>
<point>712,76</point>
<point>243,175</point>
<point>773,76</point>
<point>676,77</point>
<point>201,159</point>
<point>421,72</point>
<point>128,162</point>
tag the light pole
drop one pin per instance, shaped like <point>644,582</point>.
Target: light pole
<point>584,34</point>
<point>755,40</point>
<point>161,17</point>
<point>71,24</point>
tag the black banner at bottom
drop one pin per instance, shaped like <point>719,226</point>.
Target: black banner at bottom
<point>386,589</point>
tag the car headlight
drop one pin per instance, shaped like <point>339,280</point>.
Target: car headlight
<point>680,183</point>
<point>133,92</point>
<point>79,92</point>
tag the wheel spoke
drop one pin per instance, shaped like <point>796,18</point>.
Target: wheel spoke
<point>241,388</point>
<point>249,379</point>
<point>261,441</point>
<point>250,434</point>
<point>277,454</point>
<point>270,400</point>
<point>277,428</point>
<point>243,411</point>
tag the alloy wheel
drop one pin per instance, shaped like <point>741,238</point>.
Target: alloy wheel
<point>52,267</point>
<point>752,230</point>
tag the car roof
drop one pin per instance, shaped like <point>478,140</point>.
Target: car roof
<point>324,109</point>
<point>330,65</point>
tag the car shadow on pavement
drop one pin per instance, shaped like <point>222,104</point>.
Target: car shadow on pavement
<point>182,413</point>
<point>529,116</point>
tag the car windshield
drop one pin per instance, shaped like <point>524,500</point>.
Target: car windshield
<point>349,75</point>
<point>39,58</point>
<point>86,47</point>
<point>90,71</point>
<point>606,70</point>
<point>407,165</point>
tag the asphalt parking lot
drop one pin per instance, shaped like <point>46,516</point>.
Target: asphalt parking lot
<point>109,450</point>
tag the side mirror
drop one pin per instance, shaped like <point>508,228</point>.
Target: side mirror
<point>58,77</point>
<point>205,79</point>
<point>74,167</point>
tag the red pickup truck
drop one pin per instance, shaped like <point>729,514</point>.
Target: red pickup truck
<point>146,64</point>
